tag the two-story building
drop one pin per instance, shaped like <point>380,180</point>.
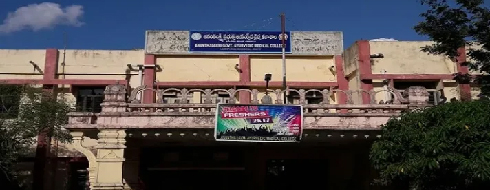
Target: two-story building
<point>144,119</point>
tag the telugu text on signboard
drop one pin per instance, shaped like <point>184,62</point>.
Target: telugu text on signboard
<point>259,123</point>
<point>238,42</point>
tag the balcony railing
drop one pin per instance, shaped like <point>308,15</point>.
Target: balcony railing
<point>202,101</point>
<point>314,101</point>
<point>310,109</point>
<point>195,108</point>
<point>295,96</point>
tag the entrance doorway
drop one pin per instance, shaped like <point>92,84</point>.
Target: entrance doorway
<point>78,176</point>
<point>296,174</point>
<point>198,167</point>
<point>195,179</point>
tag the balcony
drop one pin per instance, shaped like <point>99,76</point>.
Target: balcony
<point>195,108</point>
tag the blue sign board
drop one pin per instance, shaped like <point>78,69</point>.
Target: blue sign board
<point>238,42</point>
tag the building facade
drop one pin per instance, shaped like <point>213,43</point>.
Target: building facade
<point>144,119</point>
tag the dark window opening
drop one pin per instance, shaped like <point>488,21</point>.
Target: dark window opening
<point>279,172</point>
<point>402,85</point>
<point>223,98</point>
<point>10,96</point>
<point>78,176</point>
<point>193,158</point>
<point>88,99</point>
<point>312,97</point>
<point>173,167</point>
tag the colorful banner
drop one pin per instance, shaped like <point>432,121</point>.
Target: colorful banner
<point>238,42</point>
<point>259,123</point>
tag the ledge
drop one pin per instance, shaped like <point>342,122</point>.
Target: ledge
<point>334,121</point>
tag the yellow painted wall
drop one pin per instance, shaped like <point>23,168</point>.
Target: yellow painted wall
<point>351,71</point>
<point>355,85</point>
<point>451,90</point>
<point>95,63</point>
<point>379,90</point>
<point>298,68</point>
<point>351,59</point>
<point>92,63</point>
<point>334,98</point>
<point>405,57</point>
<point>197,68</point>
<point>17,61</point>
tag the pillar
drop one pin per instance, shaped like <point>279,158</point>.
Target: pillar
<point>245,77</point>
<point>41,166</point>
<point>149,79</point>
<point>365,69</point>
<point>111,142</point>
<point>341,80</point>
<point>110,159</point>
<point>464,86</point>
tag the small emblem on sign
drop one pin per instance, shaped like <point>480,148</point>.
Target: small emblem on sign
<point>196,36</point>
<point>285,37</point>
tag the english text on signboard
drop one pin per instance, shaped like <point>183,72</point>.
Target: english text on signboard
<point>259,123</point>
<point>238,42</point>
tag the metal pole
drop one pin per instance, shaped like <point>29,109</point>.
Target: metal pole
<point>266,87</point>
<point>140,76</point>
<point>385,88</point>
<point>283,34</point>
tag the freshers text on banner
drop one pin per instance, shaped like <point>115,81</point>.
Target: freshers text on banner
<point>259,123</point>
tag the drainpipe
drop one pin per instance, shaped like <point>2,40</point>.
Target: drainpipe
<point>140,75</point>
<point>385,87</point>
<point>140,70</point>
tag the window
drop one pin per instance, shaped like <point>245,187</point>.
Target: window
<point>435,96</point>
<point>173,98</point>
<point>217,97</point>
<point>222,98</point>
<point>10,96</point>
<point>176,98</point>
<point>88,99</point>
<point>312,97</point>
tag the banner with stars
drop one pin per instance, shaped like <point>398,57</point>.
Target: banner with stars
<point>259,123</point>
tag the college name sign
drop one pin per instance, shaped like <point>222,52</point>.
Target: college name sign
<point>238,42</point>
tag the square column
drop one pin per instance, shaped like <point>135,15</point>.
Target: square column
<point>110,159</point>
